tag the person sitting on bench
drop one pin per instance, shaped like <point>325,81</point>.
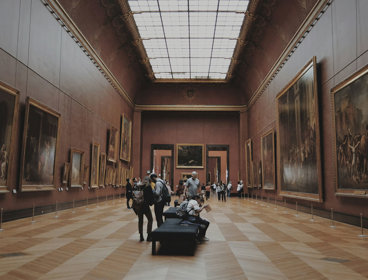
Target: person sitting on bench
<point>193,210</point>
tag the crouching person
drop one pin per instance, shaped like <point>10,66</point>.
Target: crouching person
<point>193,209</point>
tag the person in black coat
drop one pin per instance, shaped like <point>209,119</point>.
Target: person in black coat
<point>145,209</point>
<point>129,192</point>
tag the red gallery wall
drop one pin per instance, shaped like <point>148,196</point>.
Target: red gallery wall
<point>339,40</point>
<point>40,60</point>
<point>220,128</point>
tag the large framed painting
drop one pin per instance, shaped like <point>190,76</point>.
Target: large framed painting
<point>102,170</point>
<point>112,148</point>
<point>350,105</point>
<point>39,149</point>
<point>298,145</point>
<point>95,165</point>
<point>8,117</point>
<point>76,168</point>
<point>268,160</point>
<point>125,139</point>
<point>249,163</point>
<point>189,155</point>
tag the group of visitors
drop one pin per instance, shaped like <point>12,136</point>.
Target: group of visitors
<point>155,191</point>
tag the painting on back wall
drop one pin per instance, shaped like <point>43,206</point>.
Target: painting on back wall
<point>298,146</point>
<point>350,103</point>
<point>8,110</point>
<point>189,155</point>
<point>40,138</point>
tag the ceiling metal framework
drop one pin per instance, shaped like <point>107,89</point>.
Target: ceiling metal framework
<point>184,62</point>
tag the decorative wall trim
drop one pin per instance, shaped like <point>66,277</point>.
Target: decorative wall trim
<point>206,108</point>
<point>71,28</point>
<point>310,21</point>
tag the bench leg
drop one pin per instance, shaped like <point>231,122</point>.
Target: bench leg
<point>153,247</point>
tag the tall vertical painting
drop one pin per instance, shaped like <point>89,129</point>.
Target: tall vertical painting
<point>40,138</point>
<point>268,160</point>
<point>8,113</point>
<point>95,164</point>
<point>112,148</point>
<point>298,144</point>
<point>350,104</point>
<point>125,139</point>
<point>249,163</point>
<point>76,168</point>
<point>102,170</point>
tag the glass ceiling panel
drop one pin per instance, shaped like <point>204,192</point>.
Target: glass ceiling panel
<point>189,39</point>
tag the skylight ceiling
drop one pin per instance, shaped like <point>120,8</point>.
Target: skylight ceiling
<point>189,39</point>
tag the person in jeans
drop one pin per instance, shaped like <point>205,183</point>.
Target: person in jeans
<point>157,196</point>
<point>145,210</point>
<point>194,208</point>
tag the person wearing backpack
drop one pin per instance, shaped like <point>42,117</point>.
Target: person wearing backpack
<point>160,195</point>
<point>145,209</point>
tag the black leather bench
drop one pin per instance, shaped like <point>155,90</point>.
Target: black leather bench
<point>174,230</point>
<point>170,213</point>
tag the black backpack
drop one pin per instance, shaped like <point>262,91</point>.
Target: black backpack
<point>182,210</point>
<point>166,197</point>
<point>138,200</point>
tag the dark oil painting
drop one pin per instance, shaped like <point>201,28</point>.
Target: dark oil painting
<point>40,146</point>
<point>8,103</point>
<point>298,137</point>
<point>190,156</point>
<point>268,161</point>
<point>351,124</point>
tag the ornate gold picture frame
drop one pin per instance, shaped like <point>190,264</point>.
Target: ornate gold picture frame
<point>189,156</point>
<point>350,119</point>
<point>39,148</point>
<point>9,104</point>
<point>76,168</point>
<point>268,160</point>
<point>299,172</point>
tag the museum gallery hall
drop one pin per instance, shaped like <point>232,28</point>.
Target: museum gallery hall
<point>183,139</point>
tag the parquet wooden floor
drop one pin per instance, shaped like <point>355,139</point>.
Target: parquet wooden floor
<point>248,240</point>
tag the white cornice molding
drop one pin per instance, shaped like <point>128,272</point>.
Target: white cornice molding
<point>71,28</point>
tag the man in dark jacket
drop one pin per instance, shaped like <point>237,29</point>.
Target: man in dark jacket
<point>145,210</point>
<point>129,192</point>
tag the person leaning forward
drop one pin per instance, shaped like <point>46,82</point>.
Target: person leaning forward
<point>193,210</point>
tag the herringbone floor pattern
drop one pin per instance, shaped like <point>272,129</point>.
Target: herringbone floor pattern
<point>248,240</point>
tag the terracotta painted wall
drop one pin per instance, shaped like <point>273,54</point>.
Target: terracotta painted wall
<point>191,128</point>
<point>339,40</point>
<point>177,94</point>
<point>38,58</point>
